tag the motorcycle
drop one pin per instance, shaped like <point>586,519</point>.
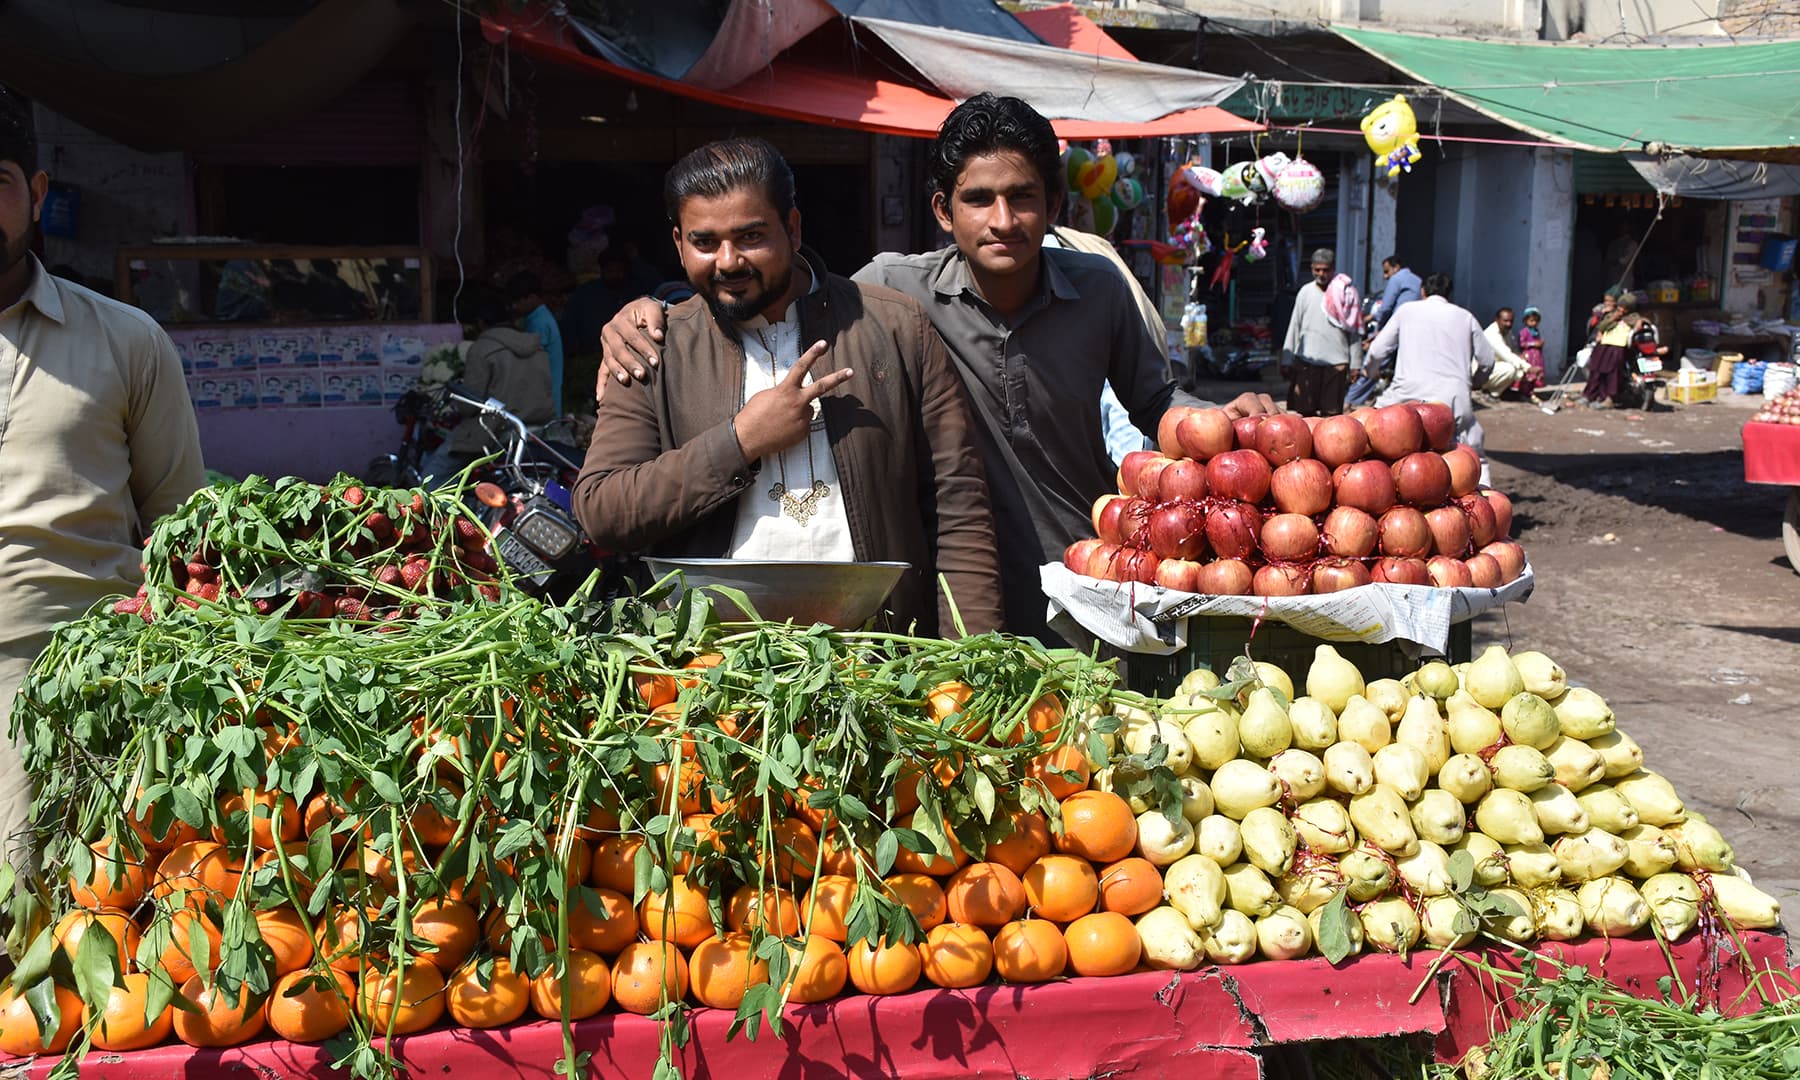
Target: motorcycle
<point>522,495</point>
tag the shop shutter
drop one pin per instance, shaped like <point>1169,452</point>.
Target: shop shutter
<point>375,122</point>
<point>1607,174</point>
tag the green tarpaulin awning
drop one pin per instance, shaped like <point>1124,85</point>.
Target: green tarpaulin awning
<point>1725,100</point>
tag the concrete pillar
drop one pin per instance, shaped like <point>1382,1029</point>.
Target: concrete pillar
<point>1384,227</point>
<point>1551,247</point>
<point>1353,218</point>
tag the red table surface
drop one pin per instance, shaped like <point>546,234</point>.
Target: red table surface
<point>1145,1024</point>
<point>1771,453</point>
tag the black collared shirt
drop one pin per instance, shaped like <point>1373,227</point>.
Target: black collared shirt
<point>1035,382</point>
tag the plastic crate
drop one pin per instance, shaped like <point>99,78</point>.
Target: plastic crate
<point>1215,641</point>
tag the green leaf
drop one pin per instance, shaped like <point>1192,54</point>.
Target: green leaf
<point>384,787</point>
<point>238,741</point>
<point>1335,941</point>
<point>35,964</point>
<point>1462,870</point>
<point>516,838</point>
<point>887,849</point>
<point>1503,906</point>
<point>984,796</point>
<point>188,807</point>
<point>643,874</point>
<point>96,969</point>
<point>851,808</point>
<point>42,999</point>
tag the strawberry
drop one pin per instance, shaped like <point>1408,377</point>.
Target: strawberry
<point>479,562</point>
<point>469,534</point>
<point>129,606</point>
<point>418,503</point>
<point>349,607</point>
<point>354,495</point>
<point>262,606</point>
<point>488,591</point>
<point>187,601</point>
<point>381,525</point>
<point>390,575</point>
<point>201,572</point>
<point>143,591</point>
<point>449,579</point>
<point>416,574</point>
<point>208,591</point>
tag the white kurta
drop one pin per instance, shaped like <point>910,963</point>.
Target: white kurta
<point>764,530</point>
<point>1436,342</point>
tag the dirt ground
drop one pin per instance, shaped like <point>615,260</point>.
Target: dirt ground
<point>1662,584</point>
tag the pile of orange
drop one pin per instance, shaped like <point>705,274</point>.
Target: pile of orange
<point>1039,904</point>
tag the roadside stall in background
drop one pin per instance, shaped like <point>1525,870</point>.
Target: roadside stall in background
<point>295,356</point>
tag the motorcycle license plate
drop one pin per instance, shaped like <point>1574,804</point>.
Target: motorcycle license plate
<point>522,559</point>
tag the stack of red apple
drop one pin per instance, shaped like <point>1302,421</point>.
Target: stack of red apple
<point>1284,505</point>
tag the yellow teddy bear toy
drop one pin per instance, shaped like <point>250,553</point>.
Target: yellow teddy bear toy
<point>1393,134</point>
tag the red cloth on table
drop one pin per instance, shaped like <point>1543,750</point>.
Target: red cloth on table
<point>1771,453</point>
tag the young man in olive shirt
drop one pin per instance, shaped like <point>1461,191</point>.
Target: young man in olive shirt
<point>1034,334</point>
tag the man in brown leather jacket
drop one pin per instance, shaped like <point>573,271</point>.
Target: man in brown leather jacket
<point>741,450</point>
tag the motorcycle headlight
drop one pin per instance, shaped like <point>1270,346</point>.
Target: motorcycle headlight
<point>547,532</point>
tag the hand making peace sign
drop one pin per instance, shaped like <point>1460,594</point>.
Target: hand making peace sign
<point>781,416</point>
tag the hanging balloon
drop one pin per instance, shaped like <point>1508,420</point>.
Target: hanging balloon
<point>1098,177</point>
<point>1106,215</point>
<point>1103,147</point>
<point>1392,132</point>
<point>1128,193</point>
<point>1300,186</point>
<point>1128,163</point>
<point>1077,159</point>
<point>1081,213</point>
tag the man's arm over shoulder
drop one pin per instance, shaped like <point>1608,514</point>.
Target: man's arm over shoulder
<point>160,428</point>
<point>957,511</point>
<point>632,491</point>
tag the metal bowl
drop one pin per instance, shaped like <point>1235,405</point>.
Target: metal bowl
<point>840,594</point>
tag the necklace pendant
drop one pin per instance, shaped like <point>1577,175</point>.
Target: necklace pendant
<point>802,508</point>
<point>778,492</point>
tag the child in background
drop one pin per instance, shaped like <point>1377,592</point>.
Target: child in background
<point>1531,347</point>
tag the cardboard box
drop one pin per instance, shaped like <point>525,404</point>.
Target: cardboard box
<point>1693,387</point>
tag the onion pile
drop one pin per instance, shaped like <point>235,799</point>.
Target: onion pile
<point>1283,505</point>
<point>1782,410</point>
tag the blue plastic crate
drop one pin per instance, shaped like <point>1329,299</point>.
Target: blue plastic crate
<point>1778,253</point>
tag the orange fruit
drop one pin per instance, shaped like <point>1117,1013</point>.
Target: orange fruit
<point>686,792</point>
<point>1104,943</point>
<point>1045,716</point>
<point>944,706</point>
<point>723,968</point>
<point>339,938</point>
<point>608,935</point>
<point>1098,826</point>
<point>451,926</point>
<point>984,894</point>
<point>826,907</point>
<point>885,968</point>
<point>266,807</point>
<point>679,915</point>
<point>932,863</point>
<point>749,910</point>
<point>121,1027</point>
<point>922,895</point>
<point>796,849</point>
<point>431,827</point>
<point>118,880</point>
<point>646,974</point>
<point>1030,950</point>
<point>615,863</point>
<point>312,1012</point>
<point>218,1019</point>
<point>704,838</point>
<point>697,665</point>
<point>320,813</point>
<point>1131,886</point>
<point>654,689</point>
<point>906,790</point>
<point>589,985</point>
<point>284,932</point>
<point>412,1001</point>
<point>176,959</point>
<point>600,821</point>
<point>1061,887</point>
<point>178,832</point>
<point>1048,769</point>
<point>200,867</point>
<point>20,1035</point>
<point>500,1002</point>
<point>819,972</point>
<point>957,956</point>
<point>125,933</point>
<point>840,854</point>
<point>1029,841</point>
<point>364,862</point>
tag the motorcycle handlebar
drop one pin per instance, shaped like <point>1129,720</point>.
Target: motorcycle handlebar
<point>496,408</point>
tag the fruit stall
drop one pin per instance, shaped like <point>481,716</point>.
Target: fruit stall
<point>1772,456</point>
<point>331,794</point>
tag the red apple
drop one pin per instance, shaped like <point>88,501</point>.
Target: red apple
<point>1203,434</point>
<point>1439,421</point>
